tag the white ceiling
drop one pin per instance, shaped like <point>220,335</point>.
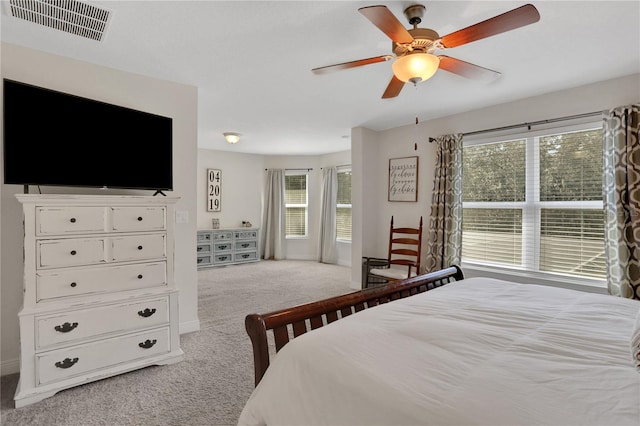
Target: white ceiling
<point>252,61</point>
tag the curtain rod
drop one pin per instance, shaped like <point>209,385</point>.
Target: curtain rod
<point>342,165</point>
<point>294,169</point>
<point>528,125</point>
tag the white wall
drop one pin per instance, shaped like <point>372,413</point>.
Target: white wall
<point>398,142</point>
<point>241,191</point>
<point>131,90</point>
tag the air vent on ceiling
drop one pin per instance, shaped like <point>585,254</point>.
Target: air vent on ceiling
<point>71,16</point>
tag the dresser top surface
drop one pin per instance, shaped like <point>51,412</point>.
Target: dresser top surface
<point>98,200</point>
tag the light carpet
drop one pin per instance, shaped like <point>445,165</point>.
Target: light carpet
<point>213,382</point>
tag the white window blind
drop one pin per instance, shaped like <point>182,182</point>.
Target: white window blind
<point>296,203</point>
<point>343,207</point>
<point>535,203</point>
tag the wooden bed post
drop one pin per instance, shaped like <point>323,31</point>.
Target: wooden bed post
<point>256,329</point>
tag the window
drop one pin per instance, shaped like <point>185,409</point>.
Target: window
<point>296,200</point>
<point>535,203</point>
<point>343,208</point>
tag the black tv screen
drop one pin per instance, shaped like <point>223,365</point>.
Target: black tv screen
<point>58,139</point>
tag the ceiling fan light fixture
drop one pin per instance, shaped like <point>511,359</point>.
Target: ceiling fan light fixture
<point>231,137</point>
<point>415,67</point>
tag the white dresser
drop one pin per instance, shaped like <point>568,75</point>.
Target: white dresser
<point>99,293</point>
<point>219,247</point>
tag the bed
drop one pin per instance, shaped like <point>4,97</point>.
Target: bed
<point>448,351</point>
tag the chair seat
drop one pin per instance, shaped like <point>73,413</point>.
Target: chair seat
<point>392,273</point>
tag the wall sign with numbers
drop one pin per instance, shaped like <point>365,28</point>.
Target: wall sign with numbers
<point>214,185</point>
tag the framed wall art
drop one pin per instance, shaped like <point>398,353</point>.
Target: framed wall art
<point>403,179</point>
<point>214,188</point>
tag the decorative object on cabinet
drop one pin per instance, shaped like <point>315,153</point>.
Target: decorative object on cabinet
<point>219,247</point>
<point>403,179</point>
<point>214,187</point>
<point>215,223</point>
<point>99,292</point>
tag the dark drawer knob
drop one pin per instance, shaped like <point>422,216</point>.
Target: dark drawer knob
<point>244,256</point>
<point>73,252</point>
<point>147,312</point>
<point>223,247</point>
<point>245,245</point>
<point>147,344</point>
<point>139,247</point>
<point>66,327</point>
<point>139,276</point>
<point>68,362</point>
<point>73,284</point>
<point>72,220</point>
<point>200,260</point>
<point>139,218</point>
<point>199,248</point>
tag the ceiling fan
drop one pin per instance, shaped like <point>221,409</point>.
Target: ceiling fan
<point>416,50</point>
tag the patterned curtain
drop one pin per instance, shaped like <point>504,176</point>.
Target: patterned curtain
<point>327,247</point>
<point>273,220</point>
<point>445,223</point>
<point>622,200</point>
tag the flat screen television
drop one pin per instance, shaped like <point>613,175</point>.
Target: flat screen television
<point>58,139</point>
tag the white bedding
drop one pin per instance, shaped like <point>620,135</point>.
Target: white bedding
<point>474,352</point>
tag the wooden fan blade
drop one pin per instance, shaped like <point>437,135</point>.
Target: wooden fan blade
<point>516,18</point>
<point>387,22</point>
<point>466,69</point>
<point>352,64</point>
<point>394,88</point>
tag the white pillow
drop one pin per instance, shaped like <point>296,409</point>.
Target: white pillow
<point>635,342</point>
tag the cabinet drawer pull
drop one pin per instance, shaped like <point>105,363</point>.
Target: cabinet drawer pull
<point>73,252</point>
<point>68,362</point>
<point>147,344</point>
<point>244,256</point>
<point>200,260</point>
<point>72,220</point>
<point>66,327</point>
<point>147,312</point>
<point>245,245</point>
<point>139,276</point>
<point>139,218</point>
<point>73,284</point>
<point>222,247</point>
<point>223,258</point>
<point>199,249</point>
<point>139,247</point>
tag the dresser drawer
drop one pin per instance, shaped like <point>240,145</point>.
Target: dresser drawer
<point>127,219</point>
<point>221,236</point>
<point>76,360</point>
<point>220,247</point>
<point>245,257</point>
<point>138,247</point>
<point>223,258</point>
<point>104,279</point>
<point>203,236</point>
<point>69,220</point>
<point>245,245</point>
<point>246,235</point>
<point>203,248</point>
<point>71,252</point>
<point>81,324</point>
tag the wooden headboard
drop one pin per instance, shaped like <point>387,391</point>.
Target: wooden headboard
<point>289,323</point>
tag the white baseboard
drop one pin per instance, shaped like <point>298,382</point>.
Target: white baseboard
<point>189,326</point>
<point>9,367</point>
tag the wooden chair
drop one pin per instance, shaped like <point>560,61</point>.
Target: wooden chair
<point>403,259</point>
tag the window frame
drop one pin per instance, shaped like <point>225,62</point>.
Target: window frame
<point>291,205</point>
<point>533,206</point>
<point>345,169</point>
